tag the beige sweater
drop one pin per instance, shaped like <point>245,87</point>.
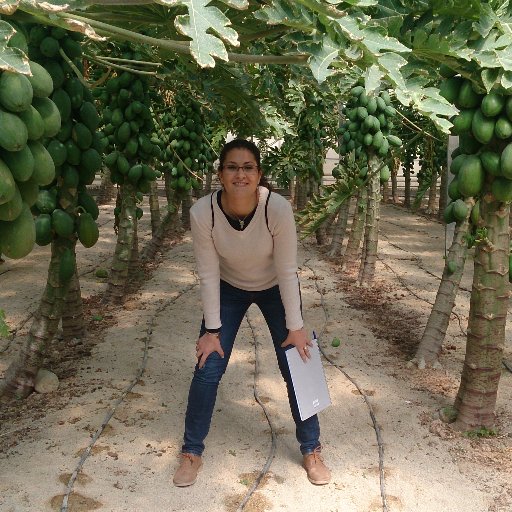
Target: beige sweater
<point>253,259</point>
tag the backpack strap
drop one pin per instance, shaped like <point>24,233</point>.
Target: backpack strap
<point>211,206</point>
<point>266,210</point>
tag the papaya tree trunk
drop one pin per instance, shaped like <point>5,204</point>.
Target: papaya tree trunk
<point>435,331</point>
<point>19,377</point>
<point>107,188</point>
<point>293,188</point>
<point>407,193</point>
<point>385,192</point>
<point>352,254</point>
<point>340,229</point>
<point>134,264</point>
<point>371,231</point>
<point>443,192</point>
<point>118,277</point>
<point>301,194</point>
<point>73,324</point>
<point>432,197</point>
<point>476,399</point>
<point>394,185</point>
<point>154,207</point>
<point>186,203</point>
<point>168,226</point>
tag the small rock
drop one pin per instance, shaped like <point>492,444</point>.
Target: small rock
<point>46,381</point>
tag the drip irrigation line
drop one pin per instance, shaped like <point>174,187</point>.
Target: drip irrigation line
<point>417,296</point>
<point>136,379</point>
<point>507,365</point>
<point>273,446</point>
<point>376,427</point>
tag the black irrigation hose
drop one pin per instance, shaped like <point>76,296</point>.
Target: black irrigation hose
<point>376,427</point>
<point>142,367</point>
<point>273,446</point>
<point>464,333</point>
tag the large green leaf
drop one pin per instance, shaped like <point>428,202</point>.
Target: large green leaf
<point>11,59</point>
<point>201,20</point>
<point>371,38</point>
<point>281,12</point>
<point>322,56</point>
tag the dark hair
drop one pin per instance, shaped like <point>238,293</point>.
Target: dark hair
<point>243,144</point>
<point>239,144</point>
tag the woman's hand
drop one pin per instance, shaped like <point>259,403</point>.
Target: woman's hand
<point>207,344</point>
<point>300,340</point>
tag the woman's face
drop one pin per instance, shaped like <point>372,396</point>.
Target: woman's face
<point>240,174</point>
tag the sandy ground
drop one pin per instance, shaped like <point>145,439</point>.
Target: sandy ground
<point>427,467</point>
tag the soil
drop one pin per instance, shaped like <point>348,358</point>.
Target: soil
<point>136,362</point>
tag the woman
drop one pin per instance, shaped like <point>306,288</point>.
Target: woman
<point>245,246</point>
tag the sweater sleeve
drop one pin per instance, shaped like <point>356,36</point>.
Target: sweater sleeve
<point>285,261</point>
<point>207,262</point>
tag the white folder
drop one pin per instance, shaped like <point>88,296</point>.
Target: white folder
<point>309,381</point>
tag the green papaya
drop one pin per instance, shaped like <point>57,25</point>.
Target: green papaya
<point>67,265</point>
<point>50,115</point>
<point>456,163</point>
<point>491,162</point>
<point>492,104</point>
<point>10,210</point>
<point>467,97</point>
<point>88,232</point>
<point>15,91</point>
<point>503,128</point>
<point>41,80</point>
<point>448,214</point>
<point>462,122</point>
<point>460,210</point>
<point>453,189</point>
<point>506,161</point>
<point>28,190</point>
<point>62,223</point>
<point>471,176</point>
<point>501,189</point>
<point>44,168</point>
<point>482,127</point>
<point>43,225</point>
<point>20,163</point>
<point>14,133</point>
<point>18,236</point>
<point>46,201</point>
<point>33,122</point>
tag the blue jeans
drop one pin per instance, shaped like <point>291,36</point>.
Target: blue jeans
<point>234,303</point>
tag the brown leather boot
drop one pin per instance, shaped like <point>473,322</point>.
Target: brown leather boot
<point>186,474</point>
<point>318,472</point>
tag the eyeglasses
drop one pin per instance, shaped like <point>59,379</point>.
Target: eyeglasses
<point>249,170</point>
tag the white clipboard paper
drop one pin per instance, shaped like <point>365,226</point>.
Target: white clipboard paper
<point>309,381</point>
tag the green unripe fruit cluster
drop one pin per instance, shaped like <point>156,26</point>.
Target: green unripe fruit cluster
<point>483,161</point>
<point>368,126</point>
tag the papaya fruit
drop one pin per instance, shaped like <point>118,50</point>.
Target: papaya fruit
<point>44,233</point>
<point>471,176</point>
<point>482,127</point>
<point>28,190</point>
<point>33,123</point>
<point>491,162</point>
<point>46,201</point>
<point>460,210</point>
<point>492,104</point>
<point>506,161</point>
<point>20,163</point>
<point>7,184</point>
<point>462,122</point>
<point>448,214</point>
<point>62,223</point>
<point>44,168</point>
<point>15,91</point>
<point>503,128</point>
<point>456,163</point>
<point>41,80</point>
<point>50,115</point>
<point>467,97</point>
<point>501,189</point>
<point>88,232</point>
<point>14,133</point>
<point>61,98</point>
<point>18,236</point>
<point>10,210</point>
<point>453,189</point>
<point>67,265</point>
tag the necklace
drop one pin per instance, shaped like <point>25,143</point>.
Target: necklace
<point>241,221</point>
